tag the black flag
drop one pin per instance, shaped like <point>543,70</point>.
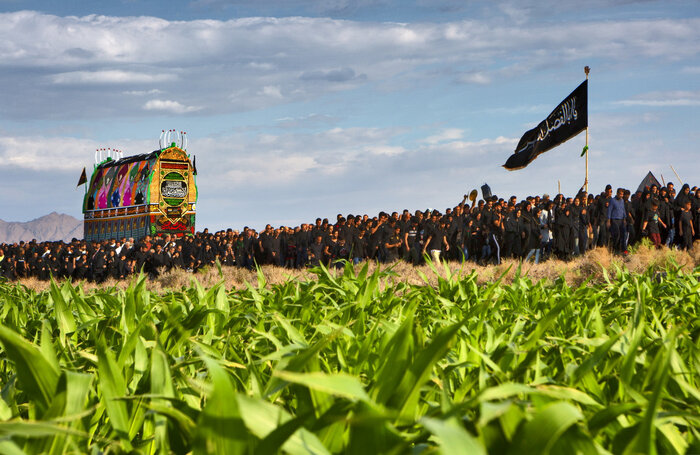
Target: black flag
<point>486,191</point>
<point>647,182</point>
<point>565,122</point>
<point>82,179</point>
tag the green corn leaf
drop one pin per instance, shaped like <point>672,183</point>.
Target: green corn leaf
<point>539,434</point>
<point>609,415</point>
<point>38,376</point>
<point>64,317</point>
<point>453,438</point>
<point>263,419</point>
<point>645,437</point>
<point>69,401</point>
<point>592,361</point>
<point>220,428</point>
<point>37,429</point>
<point>7,447</point>
<point>421,369</point>
<point>113,388</point>
<point>338,384</point>
<point>396,360</point>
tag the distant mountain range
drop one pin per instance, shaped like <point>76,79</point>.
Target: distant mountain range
<point>51,227</point>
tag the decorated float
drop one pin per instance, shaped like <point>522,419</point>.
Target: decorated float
<point>148,194</point>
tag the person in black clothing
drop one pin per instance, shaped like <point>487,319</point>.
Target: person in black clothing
<point>264,243</point>
<point>303,241</point>
<point>513,233</point>
<point>112,264</point>
<point>99,265</point>
<point>33,264</point>
<point>206,256</point>
<point>317,250</point>
<point>392,245</point>
<point>141,257</point>
<point>248,252</point>
<point>359,246</point>
<point>679,203</point>
<point>68,263</point>
<point>602,231</point>
<point>584,225</point>
<point>340,253</point>
<point>436,240</point>
<point>414,241</point>
<point>563,226</point>
<point>122,266</point>
<point>533,233</point>
<point>686,229</point>
<point>81,266</point>
<point>666,215</point>
<point>275,249</point>
<point>159,259</point>
<point>21,267</point>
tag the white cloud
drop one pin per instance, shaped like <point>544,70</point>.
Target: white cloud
<point>153,91</point>
<point>59,153</point>
<point>109,77</point>
<point>169,106</point>
<point>264,66</point>
<point>308,120</point>
<point>448,134</point>
<point>263,167</point>
<point>309,56</point>
<point>475,78</point>
<point>42,153</point>
<point>387,150</point>
<point>677,98</point>
<point>272,91</point>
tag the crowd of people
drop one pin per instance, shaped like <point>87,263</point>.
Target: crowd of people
<point>535,228</point>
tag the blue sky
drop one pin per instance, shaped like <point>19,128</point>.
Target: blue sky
<point>297,109</point>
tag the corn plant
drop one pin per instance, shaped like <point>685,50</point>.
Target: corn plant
<point>355,362</point>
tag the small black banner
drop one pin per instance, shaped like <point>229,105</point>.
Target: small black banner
<point>83,178</point>
<point>568,119</point>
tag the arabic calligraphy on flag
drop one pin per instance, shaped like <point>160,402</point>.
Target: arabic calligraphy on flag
<point>568,119</point>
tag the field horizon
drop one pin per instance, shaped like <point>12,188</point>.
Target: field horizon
<point>592,266</point>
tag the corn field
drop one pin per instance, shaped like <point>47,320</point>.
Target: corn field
<point>357,363</point>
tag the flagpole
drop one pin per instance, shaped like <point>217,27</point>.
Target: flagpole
<point>586,70</point>
<point>677,176</point>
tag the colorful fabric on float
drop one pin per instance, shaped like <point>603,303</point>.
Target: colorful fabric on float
<point>141,195</point>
